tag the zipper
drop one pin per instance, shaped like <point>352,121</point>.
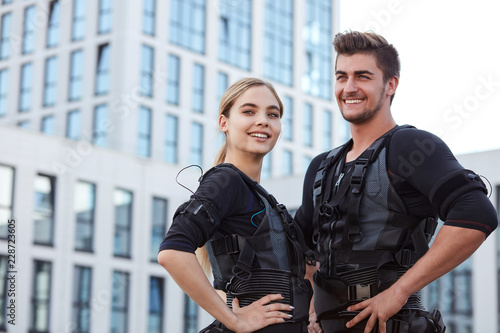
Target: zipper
<point>337,184</point>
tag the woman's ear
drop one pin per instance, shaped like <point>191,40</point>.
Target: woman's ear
<point>223,123</point>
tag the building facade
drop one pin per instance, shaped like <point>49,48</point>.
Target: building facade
<point>102,103</point>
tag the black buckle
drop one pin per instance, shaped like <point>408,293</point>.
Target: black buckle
<point>327,210</point>
<point>397,326</point>
<point>232,244</point>
<point>359,292</point>
<point>359,171</point>
<point>403,257</point>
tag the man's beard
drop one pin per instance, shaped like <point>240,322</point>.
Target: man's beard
<point>366,114</point>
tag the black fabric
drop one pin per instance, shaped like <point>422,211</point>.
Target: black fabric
<point>234,208</point>
<point>416,161</point>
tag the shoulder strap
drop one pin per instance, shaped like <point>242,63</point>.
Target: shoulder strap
<point>352,233</point>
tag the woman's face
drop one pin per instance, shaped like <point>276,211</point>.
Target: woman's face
<point>254,123</point>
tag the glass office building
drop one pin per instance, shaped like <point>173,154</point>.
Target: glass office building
<point>102,102</point>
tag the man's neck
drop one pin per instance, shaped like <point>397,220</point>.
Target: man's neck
<point>363,135</point>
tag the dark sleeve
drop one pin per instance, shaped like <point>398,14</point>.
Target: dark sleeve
<point>424,162</point>
<point>304,214</point>
<point>197,220</point>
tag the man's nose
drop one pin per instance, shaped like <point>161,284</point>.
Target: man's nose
<point>351,86</point>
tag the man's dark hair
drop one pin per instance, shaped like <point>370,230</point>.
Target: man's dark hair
<point>352,42</point>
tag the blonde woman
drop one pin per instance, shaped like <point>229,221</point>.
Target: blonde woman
<point>253,244</point>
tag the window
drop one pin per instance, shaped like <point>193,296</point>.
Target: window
<point>159,226</point>
<point>4,90</point>
<point>5,36</point>
<point>173,79</point>
<point>327,130</point>
<point>288,118</point>
<point>48,125</point>
<point>196,156</point>
<point>148,17</point>
<point>3,293</point>
<point>84,206</point>
<point>198,88</point>
<point>316,79</point>
<point>25,87</point>
<point>102,75</point>
<point>123,223</point>
<point>187,24</point>
<point>101,125</point>
<point>147,63</point>
<point>308,125</point>
<point>235,33</point>
<point>6,198</point>
<point>78,28</point>
<point>144,135</point>
<point>287,162</point>
<point>155,319</point>
<point>49,91</point>
<point>190,315</point>
<point>75,76</point>
<point>119,307</point>
<point>25,124</point>
<point>267,167</point>
<point>44,209</point>
<point>278,39</point>
<point>171,135</point>
<point>54,21</point>
<point>222,83</point>
<point>105,16</point>
<point>40,297</point>
<point>81,299</point>
<point>29,30</point>
<point>73,125</point>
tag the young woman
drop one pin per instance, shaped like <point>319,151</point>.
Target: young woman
<point>253,244</point>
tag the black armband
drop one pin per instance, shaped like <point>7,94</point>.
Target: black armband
<point>197,210</point>
<point>448,190</point>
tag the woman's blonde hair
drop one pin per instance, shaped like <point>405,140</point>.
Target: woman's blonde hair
<point>226,103</point>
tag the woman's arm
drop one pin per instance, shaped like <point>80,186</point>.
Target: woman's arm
<point>188,274</point>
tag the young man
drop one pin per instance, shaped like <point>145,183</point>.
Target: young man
<point>371,205</point>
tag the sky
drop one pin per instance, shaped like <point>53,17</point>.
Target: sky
<point>450,64</point>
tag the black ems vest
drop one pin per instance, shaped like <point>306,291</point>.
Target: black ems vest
<point>271,261</point>
<point>364,237</point>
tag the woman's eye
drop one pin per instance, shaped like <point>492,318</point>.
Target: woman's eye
<point>248,111</point>
<point>274,115</point>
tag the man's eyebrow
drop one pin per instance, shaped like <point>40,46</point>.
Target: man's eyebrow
<point>356,72</point>
<point>363,72</point>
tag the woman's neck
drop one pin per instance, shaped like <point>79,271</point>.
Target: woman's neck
<point>249,165</point>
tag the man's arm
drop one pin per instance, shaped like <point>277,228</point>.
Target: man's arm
<point>452,246</point>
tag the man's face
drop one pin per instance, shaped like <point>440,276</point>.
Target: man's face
<point>360,89</point>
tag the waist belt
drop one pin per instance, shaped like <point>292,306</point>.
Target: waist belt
<point>262,282</point>
<point>272,281</point>
<point>405,321</point>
